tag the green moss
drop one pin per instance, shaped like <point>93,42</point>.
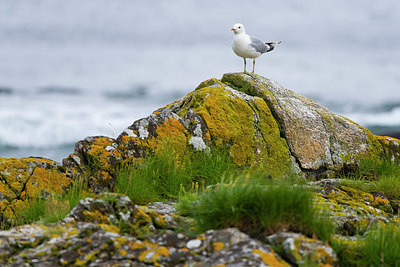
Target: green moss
<point>229,120</point>
<point>327,121</point>
<point>375,150</point>
<point>275,156</point>
<point>246,83</point>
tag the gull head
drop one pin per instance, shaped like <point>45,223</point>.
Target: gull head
<point>238,28</point>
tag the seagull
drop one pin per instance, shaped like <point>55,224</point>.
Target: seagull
<point>246,46</point>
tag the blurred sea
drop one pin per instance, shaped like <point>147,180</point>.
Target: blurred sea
<point>71,69</point>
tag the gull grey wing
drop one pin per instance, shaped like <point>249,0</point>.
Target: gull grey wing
<point>258,45</point>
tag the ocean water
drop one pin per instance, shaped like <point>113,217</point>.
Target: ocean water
<point>71,69</point>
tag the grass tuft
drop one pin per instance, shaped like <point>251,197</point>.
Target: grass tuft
<point>54,208</point>
<point>375,176</point>
<point>381,247</point>
<point>257,208</point>
<point>162,176</point>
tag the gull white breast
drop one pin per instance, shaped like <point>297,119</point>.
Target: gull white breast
<point>246,46</point>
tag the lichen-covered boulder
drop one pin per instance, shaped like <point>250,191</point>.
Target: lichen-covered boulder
<point>318,138</point>
<point>257,120</point>
<point>25,179</point>
<point>116,209</point>
<point>96,158</point>
<point>298,249</point>
<point>352,210</point>
<point>212,115</point>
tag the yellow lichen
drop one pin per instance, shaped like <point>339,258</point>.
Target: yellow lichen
<point>122,253</point>
<point>270,259</point>
<point>28,178</point>
<point>218,245</point>
<point>80,262</point>
<point>95,216</point>
<point>110,228</point>
<point>73,232</point>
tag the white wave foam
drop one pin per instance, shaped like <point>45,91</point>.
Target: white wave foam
<point>49,121</point>
<point>390,118</point>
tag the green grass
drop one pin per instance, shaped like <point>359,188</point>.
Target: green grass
<point>256,208</point>
<point>369,169</point>
<point>54,208</point>
<point>163,176</point>
<point>375,176</point>
<point>380,247</point>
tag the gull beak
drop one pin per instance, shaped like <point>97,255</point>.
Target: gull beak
<point>232,29</point>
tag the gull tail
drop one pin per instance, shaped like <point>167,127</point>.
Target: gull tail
<point>272,45</point>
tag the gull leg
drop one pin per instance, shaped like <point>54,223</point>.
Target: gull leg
<point>244,65</point>
<point>254,64</point>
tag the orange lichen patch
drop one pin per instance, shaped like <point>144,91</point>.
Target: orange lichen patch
<point>142,216</point>
<point>380,201</point>
<point>145,244</point>
<point>382,204</point>
<point>80,262</point>
<point>28,178</point>
<point>50,180</point>
<point>6,191</point>
<point>207,136</point>
<point>162,251</point>
<point>218,245</point>
<point>153,253</point>
<point>122,253</point>
<point>98,153</point>
<point>270,259</point>
<point>172,134</point>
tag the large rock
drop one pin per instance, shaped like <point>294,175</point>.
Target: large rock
<point>25,179</point>
<point>259,121</point>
